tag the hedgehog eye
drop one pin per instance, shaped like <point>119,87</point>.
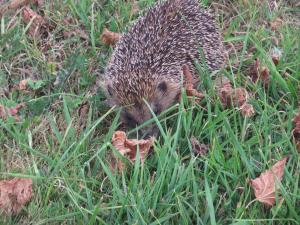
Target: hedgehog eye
<point>162,86</point>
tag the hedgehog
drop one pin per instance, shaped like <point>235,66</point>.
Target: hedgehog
<point>144,73</point>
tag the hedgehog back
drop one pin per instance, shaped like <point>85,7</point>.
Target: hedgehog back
<point>169,35</point>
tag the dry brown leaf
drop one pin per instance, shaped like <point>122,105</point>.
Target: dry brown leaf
<point>247,110</point>
<point>23,84</point>
<point>198,148</point>
<point>236,97</point>
<point>2,112</point>
<point>14,194</point>
<point>296,130</point>
<point>189,86</point>
<point>259,72</point>
<point>276,24</point>
<point>276,56</point>
<point>254,70</point>
<point>83,116</point>
<point>13,4</point>
<point>37,23</point>
<point>296,123</point>
<point>5,112</point>
<point>109,38</point>
<point>265,185</point>
<point>128,147</point>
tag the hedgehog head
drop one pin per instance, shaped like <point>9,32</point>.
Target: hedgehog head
<point>137,100</point>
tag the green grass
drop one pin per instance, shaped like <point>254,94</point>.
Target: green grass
<point>68,155</point>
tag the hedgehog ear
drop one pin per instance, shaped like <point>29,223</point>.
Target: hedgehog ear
<point>108,89</point>
<point>162,86</point>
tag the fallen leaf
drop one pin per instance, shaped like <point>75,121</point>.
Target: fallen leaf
<point>236,97</point>
<point>296,130</point>
<point>2,112</point>
<point>14,111</point>
<point>5,112</point>
<point>189,86</point>
<point>128,147</point>
<point>199,148</point>
<point>14,194</point>
<point>265,75</point>
<point>109,38</point>
<point>247,110</point>
<point>23,84</point>
<point>37,23</point>
<point>254,70</point>
<point>265,185</point>
<point>276,24</point>
<point>13,4</point>
<point>258,72</point>
<point>276,55</point>
<point>83,116</point>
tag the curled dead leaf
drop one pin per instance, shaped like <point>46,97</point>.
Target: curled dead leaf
<point>265,75</point>
<point>14,194</point>
<point>37,21</point>
<point>234,96</point>
<point>23,84</point>
<point>199,148</point>
<point>276,55</point>
<point>129,147</point>
<point>258,72</point>
<point>83,116</point>
<point>190,91</point>
<point>5,112</point>
<point>265,185</point>
<point>296,130</point>
<point>109,38</point>
<point>276,24</point>
<point>247,110</point>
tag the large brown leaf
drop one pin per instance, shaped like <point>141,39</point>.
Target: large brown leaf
<point>14,194</point>
<point>129,147</point>
<point>265,185</point>
<point>109,38</point>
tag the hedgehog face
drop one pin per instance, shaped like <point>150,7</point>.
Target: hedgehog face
<point>138,113</point>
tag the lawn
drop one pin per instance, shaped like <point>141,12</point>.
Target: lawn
<point>61,138</point>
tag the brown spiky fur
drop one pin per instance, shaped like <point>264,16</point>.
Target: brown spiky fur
<point>147,61</point>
